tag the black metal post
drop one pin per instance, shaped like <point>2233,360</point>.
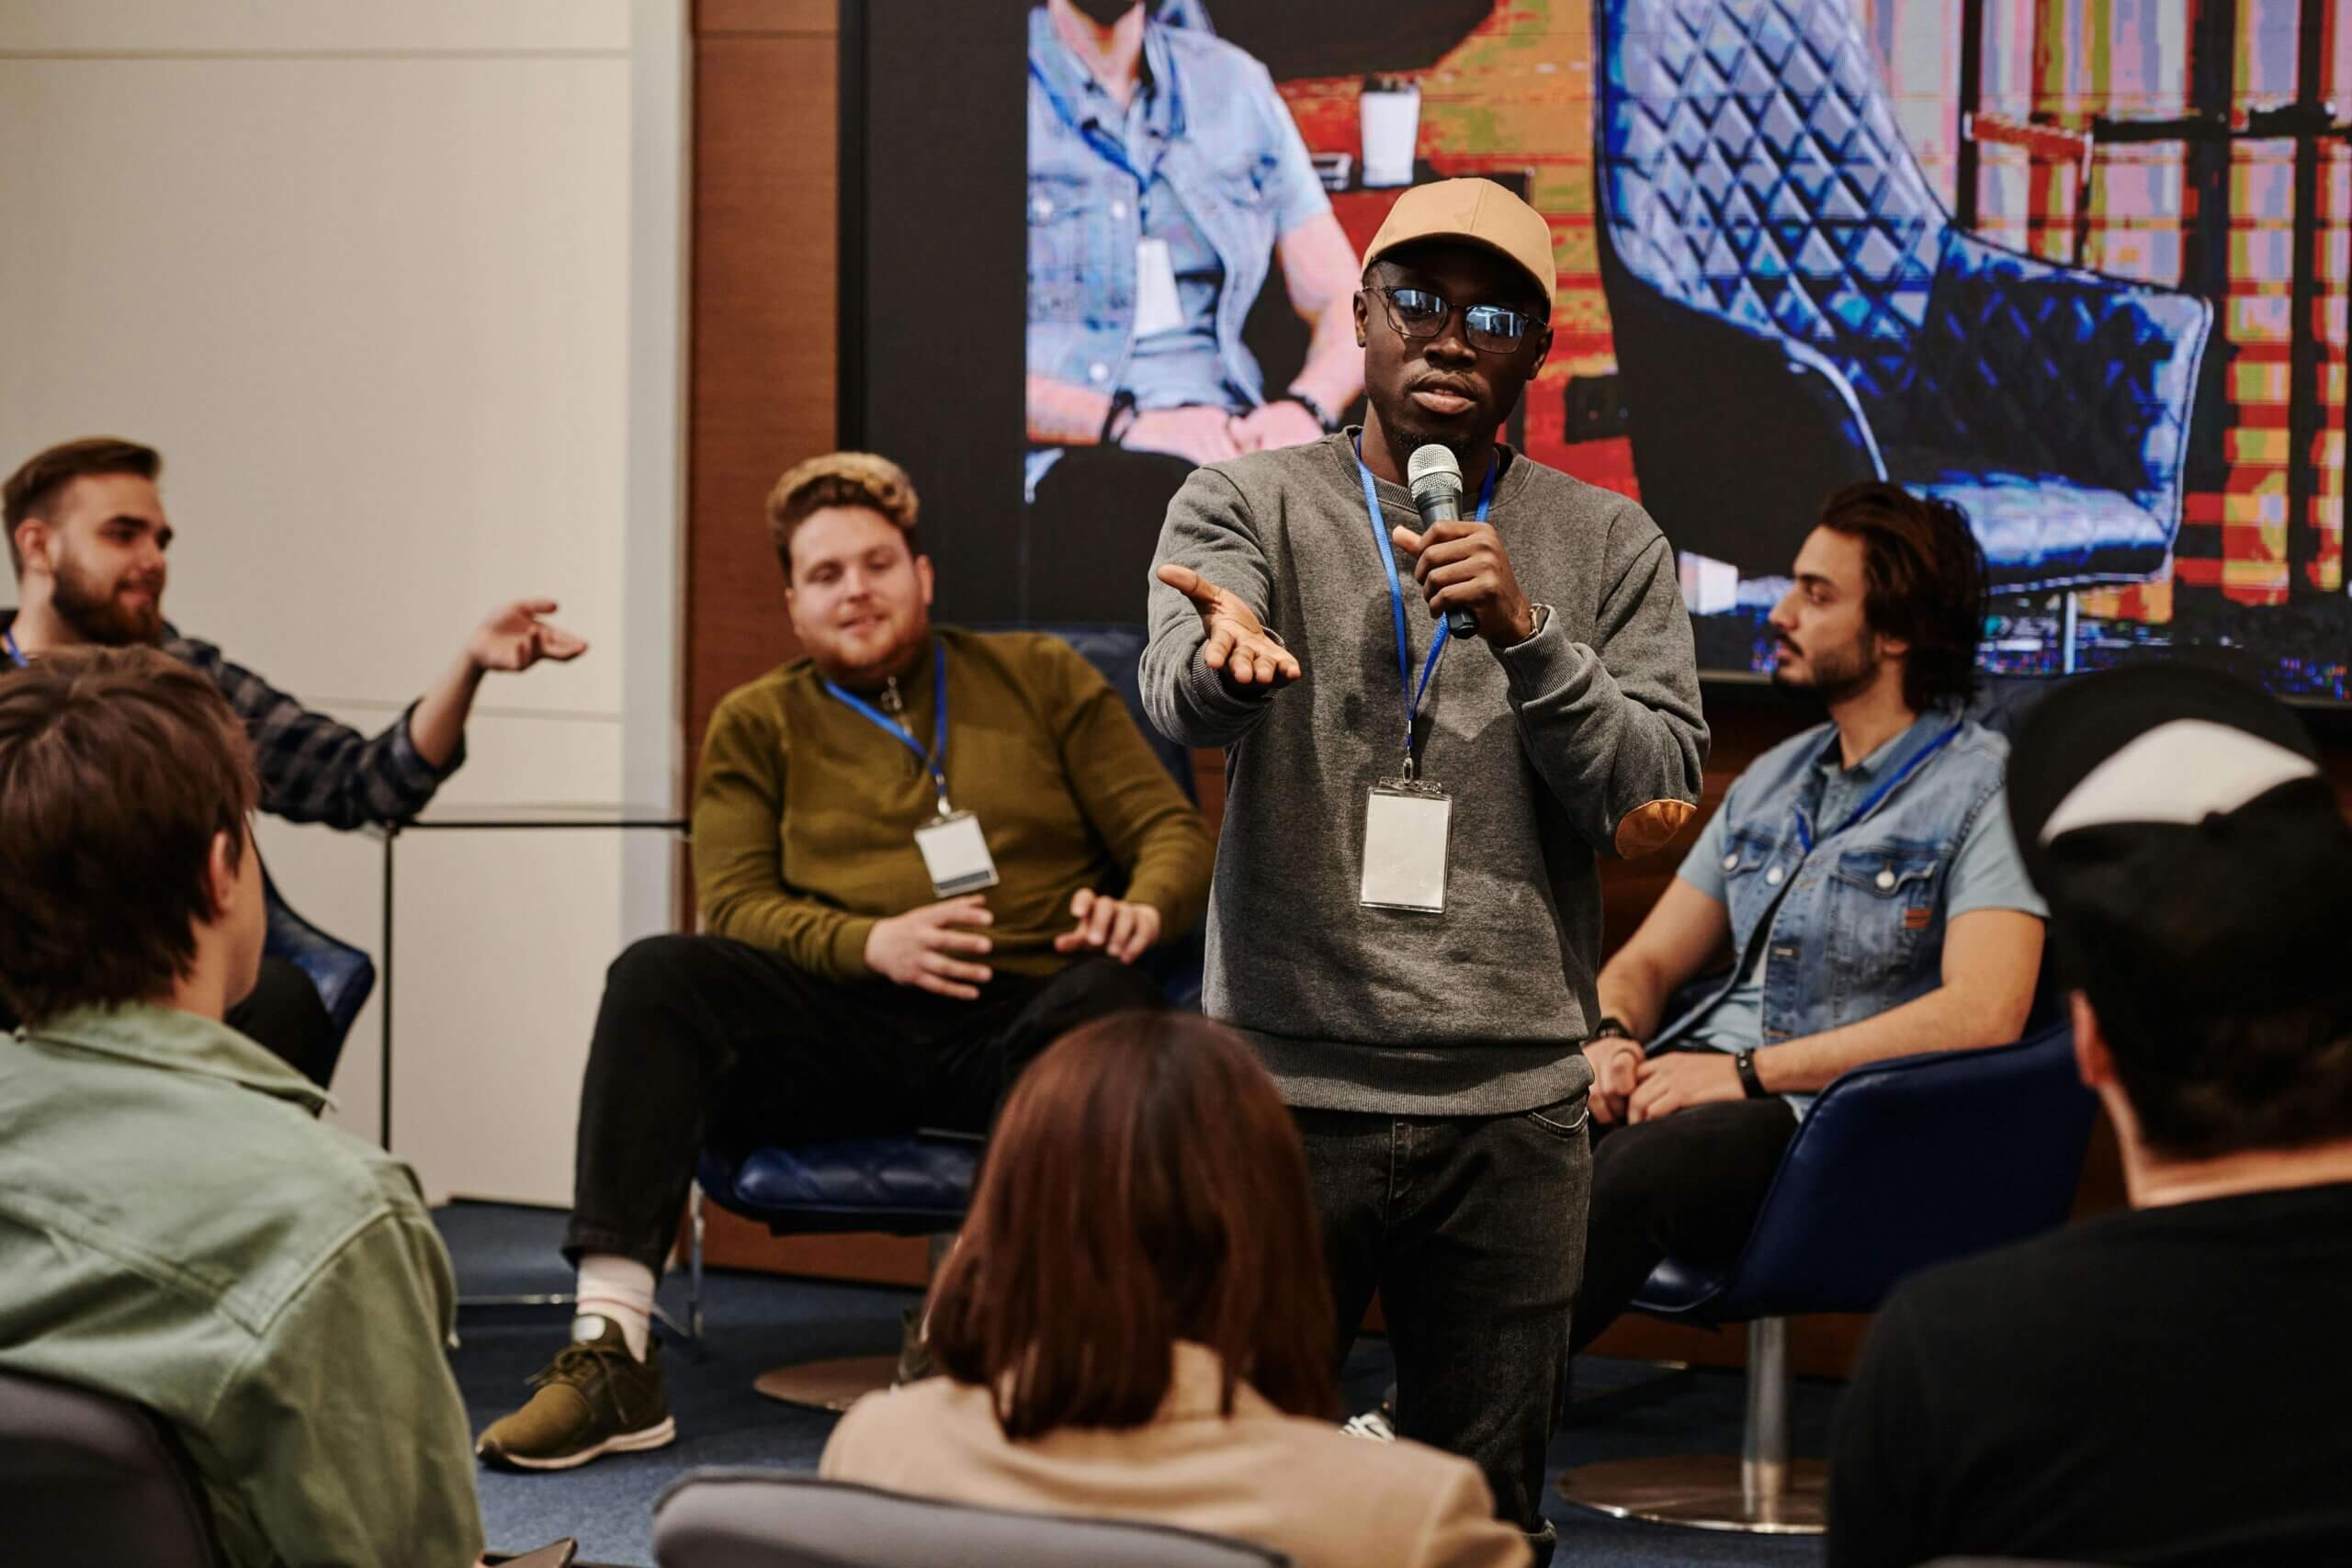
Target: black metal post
<point>2305,395</point>
<point>384,1018</point>
<point>1971,103</point>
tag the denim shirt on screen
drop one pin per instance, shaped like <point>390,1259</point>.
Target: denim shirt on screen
<point>1855,927</point>
<point>1209,135</point>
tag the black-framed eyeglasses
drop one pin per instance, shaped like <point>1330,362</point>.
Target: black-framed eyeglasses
<point>1421,314</point>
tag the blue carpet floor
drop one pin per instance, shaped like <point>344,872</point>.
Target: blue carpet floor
<point>755,1321</point>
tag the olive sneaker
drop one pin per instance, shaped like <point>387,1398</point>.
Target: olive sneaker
<point>595,1398</point>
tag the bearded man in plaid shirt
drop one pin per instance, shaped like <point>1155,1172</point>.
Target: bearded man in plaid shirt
<point>87,536</point>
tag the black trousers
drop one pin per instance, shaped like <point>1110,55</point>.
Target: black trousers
<point>1686,1186</point>
<point>1094,530</point>
<point>701,1038</point>
<point>283,1013</point>
<point>1468,1228</point>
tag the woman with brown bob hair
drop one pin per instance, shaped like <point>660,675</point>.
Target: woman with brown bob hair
<point>1136,1324</point>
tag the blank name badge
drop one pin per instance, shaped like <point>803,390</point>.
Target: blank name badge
<point>956,855</point>
<point>1406,830</point>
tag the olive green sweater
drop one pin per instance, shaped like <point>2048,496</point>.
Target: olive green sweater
<point>806,812</point>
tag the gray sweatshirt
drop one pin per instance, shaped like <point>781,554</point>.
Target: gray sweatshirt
<point>1585,738</point>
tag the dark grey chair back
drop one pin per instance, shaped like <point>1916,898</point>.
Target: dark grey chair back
<point>768,1518</point>
<point>88,1481</point>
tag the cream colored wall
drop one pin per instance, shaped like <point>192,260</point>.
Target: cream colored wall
<point>364,273</point>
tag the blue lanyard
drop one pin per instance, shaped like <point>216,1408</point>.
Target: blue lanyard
<point>1804,828</point>
<point>1413,695</point>
<point>8,642</point>
<point>935,759</point>
<point>1113,150</point>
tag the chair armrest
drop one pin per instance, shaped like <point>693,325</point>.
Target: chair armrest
<point>1912,1162</point>
<point>1738,431</point>
<point>2041,369</point>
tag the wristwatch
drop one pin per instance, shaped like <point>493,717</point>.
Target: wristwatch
<point>1322,415</point>
<point>1118,418</point>
<point>1745,1063</point>
<point>1611,1028</point>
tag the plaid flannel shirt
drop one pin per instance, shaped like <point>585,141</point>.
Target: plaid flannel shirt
<point>313,768</point>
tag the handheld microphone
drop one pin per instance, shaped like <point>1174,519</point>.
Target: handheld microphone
<point>1434,476</point>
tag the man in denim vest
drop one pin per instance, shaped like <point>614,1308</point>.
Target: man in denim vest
<point>1861,876</point>
<point>1166,177</point>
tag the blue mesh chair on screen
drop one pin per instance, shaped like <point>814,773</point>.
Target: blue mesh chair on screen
<point>1794,309</point>
<point>916,1183</point>
<point>1899,1165</point>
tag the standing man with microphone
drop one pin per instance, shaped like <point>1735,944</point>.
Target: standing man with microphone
<point>1406,914</point>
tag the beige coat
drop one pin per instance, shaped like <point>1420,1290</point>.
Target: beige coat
<point>1301,1487</point>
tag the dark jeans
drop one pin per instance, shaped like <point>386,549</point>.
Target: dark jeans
<point>1470,1227</point>
<point>1687,1186</point>
<point>283,1012</point>
<point>702,1039</point>
<point>1093,529</point>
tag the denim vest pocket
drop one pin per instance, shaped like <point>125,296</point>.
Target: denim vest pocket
<point>1748,890</point>
<point>1070,256</point>
<point>1885,901</point>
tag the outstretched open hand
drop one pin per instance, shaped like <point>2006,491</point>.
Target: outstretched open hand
<point>1248,653</point>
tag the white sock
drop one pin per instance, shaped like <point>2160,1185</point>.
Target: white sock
<point>615,1289</point>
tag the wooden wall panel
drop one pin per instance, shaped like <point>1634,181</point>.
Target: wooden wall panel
<point>762,320</point>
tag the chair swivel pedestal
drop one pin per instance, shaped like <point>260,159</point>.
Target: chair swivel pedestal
<point>842,1382</point>
<point>1899,1166</point>
<point>1762,1491</point>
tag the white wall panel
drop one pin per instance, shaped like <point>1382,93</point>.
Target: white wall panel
<point>375,313</point>
<point>278,26</point>
<point>364,273</point>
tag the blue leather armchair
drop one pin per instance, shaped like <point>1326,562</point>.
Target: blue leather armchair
<point>1900,1164</point>
<point>1793,310</point>
<point>917,1184</point>
<point>343,974</point>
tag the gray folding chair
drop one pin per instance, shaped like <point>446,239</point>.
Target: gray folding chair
<point>769,1518</point>
<point>89,1481</point>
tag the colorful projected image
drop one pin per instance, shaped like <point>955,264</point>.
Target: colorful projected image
<point>2078,266</point>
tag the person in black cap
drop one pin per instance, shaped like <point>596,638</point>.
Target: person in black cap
<point>2167,1385</point>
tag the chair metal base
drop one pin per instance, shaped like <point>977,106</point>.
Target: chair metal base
<point>833,1385</point>
<point>1703,1491</point>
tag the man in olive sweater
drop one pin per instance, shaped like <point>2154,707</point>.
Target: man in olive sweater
<point>922,855</point>
<point>1423,1003</point>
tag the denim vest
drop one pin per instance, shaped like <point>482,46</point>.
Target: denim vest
<point>1218,155</point>
<point>1857,924</point>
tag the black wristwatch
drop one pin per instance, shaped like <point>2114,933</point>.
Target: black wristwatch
<point>1745,1062</point>
<point>1117,419</point>
<point>1611,1029</point>
<point>1322,415</point>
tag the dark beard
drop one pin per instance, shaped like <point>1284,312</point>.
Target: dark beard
<point>1833,684</point>
<point>1102,13</point>
<point>94,616</point>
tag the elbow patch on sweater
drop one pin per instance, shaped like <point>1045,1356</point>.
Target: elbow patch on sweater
<point>1648,828</point>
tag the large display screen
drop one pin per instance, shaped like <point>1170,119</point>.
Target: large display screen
<point>2081,269</point>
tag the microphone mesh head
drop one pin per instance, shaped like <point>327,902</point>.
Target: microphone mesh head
<point>1433,469</point>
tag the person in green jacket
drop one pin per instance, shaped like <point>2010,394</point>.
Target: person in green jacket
<point>923,854</point>
<point>177,1228</point>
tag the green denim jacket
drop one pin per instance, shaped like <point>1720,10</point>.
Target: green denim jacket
<point>178,1229</point>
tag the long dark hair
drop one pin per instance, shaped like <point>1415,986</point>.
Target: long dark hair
<point>1925,581</point>
<point>1144,1185</point>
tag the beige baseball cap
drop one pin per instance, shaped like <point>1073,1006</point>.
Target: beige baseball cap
<point>1476,212</point>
